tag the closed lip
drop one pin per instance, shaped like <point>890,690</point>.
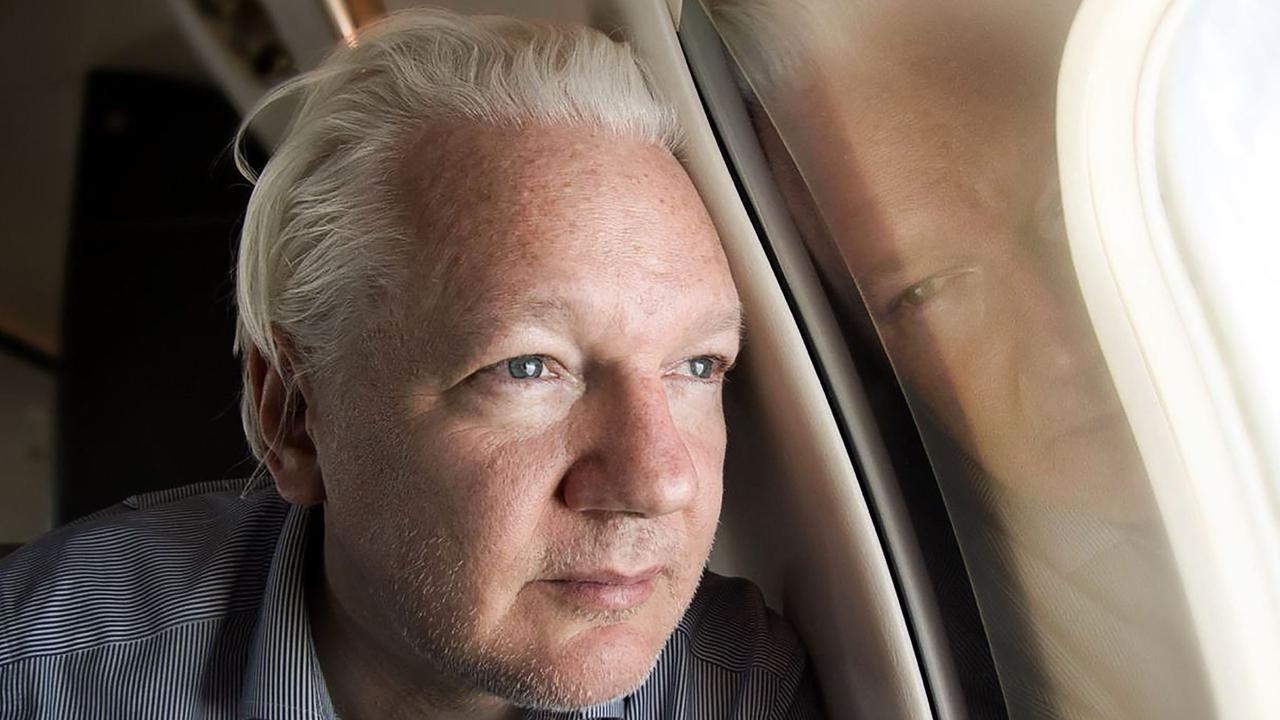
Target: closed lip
<point>608,576</point>
<point>604,589</point>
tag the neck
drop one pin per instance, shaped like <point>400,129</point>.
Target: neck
<point>373,674</point>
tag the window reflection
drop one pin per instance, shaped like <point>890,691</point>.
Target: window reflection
<point>918,138</point>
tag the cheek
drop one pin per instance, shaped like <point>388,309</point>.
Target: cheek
<point>935,372</point>
<point>697,411</point>
<point>705,438</point>
<point>698,416</point>
<point>969,369</point>
<point>493,489</point>
<point>965,386</point>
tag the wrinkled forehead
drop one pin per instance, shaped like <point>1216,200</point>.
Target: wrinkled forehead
<point>487,196</point>
<point>948,86</point>
<point>946,80</point>
<point>502,213</point>
<point>930,130</point>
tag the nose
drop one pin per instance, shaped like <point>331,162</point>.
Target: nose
<point>637,461</point>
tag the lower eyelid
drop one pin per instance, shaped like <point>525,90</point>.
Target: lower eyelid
<point>719,367</point>
<point>898,304</point>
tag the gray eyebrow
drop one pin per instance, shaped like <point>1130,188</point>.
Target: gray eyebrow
<point>469,328</point>
<point>735,322</point>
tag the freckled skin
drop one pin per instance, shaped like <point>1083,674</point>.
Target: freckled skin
<point>452,492</point>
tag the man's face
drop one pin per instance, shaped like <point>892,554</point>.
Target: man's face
<point>523,468</point>
<point>932,158</point>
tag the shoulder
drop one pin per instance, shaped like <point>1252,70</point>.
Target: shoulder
<point>729,625</point>
<point>737,658</point>
<point>154,563</point>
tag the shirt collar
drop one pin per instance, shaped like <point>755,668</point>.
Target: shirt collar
<point>283,680</point>
<point>1067,539</point>
<point>612,710</point>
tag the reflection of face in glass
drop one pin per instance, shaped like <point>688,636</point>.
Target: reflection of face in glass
<point>931,158</point>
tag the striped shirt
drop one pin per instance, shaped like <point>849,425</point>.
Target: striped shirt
<point>188,603</point>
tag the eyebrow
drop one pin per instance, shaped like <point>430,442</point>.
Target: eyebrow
<point>734,321</point>
<point>477,321</point>
<point>496,318</point>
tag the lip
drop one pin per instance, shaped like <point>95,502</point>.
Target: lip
<point>608,576</point>
<point>603,589</point>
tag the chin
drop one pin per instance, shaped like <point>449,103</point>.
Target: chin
<point>598,665</point>
<point>581,656</point>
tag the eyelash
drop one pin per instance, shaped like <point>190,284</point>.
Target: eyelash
<point>901,304</point>
<point>720,366</point>
<point>500,370</point>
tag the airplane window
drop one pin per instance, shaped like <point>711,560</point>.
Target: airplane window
<point>914,144</point>
<point>1217,146</point>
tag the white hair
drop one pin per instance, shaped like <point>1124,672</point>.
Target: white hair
<point>776,41</point>
<point>324,235</point>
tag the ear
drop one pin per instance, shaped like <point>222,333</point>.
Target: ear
<point>290,451</point>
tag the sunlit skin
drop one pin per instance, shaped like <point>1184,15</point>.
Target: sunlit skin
<point>521,463</point>
<point>930,152</point>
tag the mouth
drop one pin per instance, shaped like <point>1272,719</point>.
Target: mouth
<point>604,588</point>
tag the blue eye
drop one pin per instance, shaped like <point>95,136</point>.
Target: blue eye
<point>702,367</point>
<point>525,367</point>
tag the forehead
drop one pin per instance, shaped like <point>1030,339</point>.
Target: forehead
<point>935,132</point>
<point>467,186</point>
<point>946,99</point>
<point>554,213</point>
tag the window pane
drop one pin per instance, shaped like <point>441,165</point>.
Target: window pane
<point>914,142</point>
